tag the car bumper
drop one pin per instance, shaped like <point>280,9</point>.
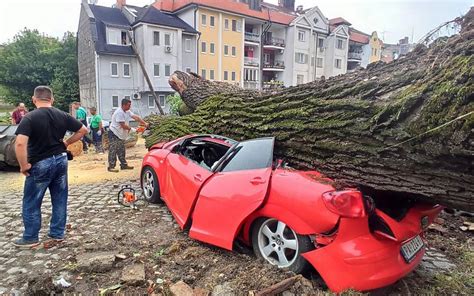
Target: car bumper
<point>358,260</point>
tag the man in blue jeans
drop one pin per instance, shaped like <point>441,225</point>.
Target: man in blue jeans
<point>41,153</point>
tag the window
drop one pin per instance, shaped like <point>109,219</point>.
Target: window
<point>161,98</point>
<point>375,51</point>
<point>266,58</point>
<point>114,69</point>
<point>203,73</point>
<point>319,62</point>
<point>124,38</point>
<point>251,155</point>
<point>127,97</point>
<point>233,76</point>
<point>234,25</point>
<point>188,70</point>
<point>117,36</point>
<point>156,70</point>
<point>211,74</point>
<point>187,45</point>
<point>250,75</point>
<point>115,102</point>
<point>212,48</point>
<point>156,38</point>
<point>320,42</point>
<point>340,44</point>
<point>203,19</point>
<point>226,75</point>
<point>211,21</point>
<point>338,63</point>
<point>167,40</point>
<point>301,36</point>
<point>167,70</point>
<point>126,70</point>
<point>226,24</point>
<point>301,58</point>
<point>299,79</point>
<point>234,51</point>
<point>203,47</point>
<point>151,101</point>
<point>226,49</point>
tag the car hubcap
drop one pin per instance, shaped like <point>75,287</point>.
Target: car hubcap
<point>277,243</point>
<point>148,184</point>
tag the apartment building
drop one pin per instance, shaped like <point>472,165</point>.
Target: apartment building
<point>108,66</point>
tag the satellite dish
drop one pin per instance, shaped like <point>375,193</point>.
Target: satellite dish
<point>93,2</point>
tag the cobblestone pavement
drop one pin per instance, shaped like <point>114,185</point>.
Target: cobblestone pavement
<point>91,208</point>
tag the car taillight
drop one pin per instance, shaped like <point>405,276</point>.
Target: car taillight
<point>347,203</point>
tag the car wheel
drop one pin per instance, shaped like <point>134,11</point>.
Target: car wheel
<point>150,185</point>
<point>277,243</point>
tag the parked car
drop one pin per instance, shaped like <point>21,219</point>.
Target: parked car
<point>225,191</point>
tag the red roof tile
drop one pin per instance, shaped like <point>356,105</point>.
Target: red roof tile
<point>339,20</point>
<point>231,6</point>
<point>358,36</point>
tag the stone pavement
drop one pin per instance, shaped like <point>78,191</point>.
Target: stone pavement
<point>90,208</point>
<point>85,201</point>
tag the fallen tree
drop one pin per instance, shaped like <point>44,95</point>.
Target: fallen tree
<point>400,129</point>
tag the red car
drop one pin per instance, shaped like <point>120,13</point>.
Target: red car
<point>225,191</point>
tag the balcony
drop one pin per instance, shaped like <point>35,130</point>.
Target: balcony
<point>273,84</point>
<point>274,42</point>
<point>252,37</point>
<point>251,62</point>
<point>274,66</point>
<point>251,84</point>
<point>356,56</point>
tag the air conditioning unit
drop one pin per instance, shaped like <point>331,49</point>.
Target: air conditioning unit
<point>168,48</point>
<point>136,96</point>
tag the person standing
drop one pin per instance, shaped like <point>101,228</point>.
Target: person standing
<point>19,113</point>
<point>41,153</point>
<point>118,133</point>
<point>97,130</point>
<point>81,115</point>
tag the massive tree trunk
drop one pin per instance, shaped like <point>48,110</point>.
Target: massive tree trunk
<point>403,128</point>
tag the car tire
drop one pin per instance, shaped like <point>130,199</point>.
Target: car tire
<point>150,185</point>
<point>275,242</point>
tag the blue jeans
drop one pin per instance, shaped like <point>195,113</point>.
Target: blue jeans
<point>47,173</point>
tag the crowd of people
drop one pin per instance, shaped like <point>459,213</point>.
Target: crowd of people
<point>41,151</point>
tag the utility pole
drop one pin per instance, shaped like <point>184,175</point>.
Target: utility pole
<point>147,78</point>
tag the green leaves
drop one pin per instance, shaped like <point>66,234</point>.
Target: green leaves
<point>33,59</point>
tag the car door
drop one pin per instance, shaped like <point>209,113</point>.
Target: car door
<point>184,178</point>
<point>237,189</point>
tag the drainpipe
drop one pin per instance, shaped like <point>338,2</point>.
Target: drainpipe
<point>197,42</point>
<point>97,87</point>
<point>315,56</point>
<point>261,46</point>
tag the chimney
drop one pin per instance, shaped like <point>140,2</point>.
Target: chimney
<point>299,9</point>
<point>120,3</point>
<point>288,4</point>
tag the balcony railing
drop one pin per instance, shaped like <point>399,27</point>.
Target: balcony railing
<point>273,84</point>
<point>274,41</point>
<point>253,62</point>
<point>355,55</point>
<point>252,37</point>
<point>250,84</point>
<point>274,65</point>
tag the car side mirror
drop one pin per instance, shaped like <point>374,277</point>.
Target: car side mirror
<point>176,148</point>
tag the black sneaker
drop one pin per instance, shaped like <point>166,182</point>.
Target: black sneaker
<point>25,244</point>
<point>126,167</point>
<point>113,170</point>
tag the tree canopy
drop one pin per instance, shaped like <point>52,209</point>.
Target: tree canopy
<point>33,59</point>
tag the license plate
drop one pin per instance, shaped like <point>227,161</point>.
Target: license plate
<point>411,248</point>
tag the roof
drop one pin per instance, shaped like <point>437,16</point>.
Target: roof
<point>268,11</point>
<point>151,15</point>
<point>338,21</point>
<point>107,16</point>
<point>358,36</point>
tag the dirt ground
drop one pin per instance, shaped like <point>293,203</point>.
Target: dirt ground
<point>111,249</point>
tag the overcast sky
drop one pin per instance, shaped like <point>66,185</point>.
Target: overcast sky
<point>392,19</point>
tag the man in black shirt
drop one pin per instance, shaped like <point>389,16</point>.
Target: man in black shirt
<point>41,153</point>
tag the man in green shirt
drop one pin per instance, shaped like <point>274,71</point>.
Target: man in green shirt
<point>97,130</point>
<point>81,115</point>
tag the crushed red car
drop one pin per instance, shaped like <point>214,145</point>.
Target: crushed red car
<point>225,191</point>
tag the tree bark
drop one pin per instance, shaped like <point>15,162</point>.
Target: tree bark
<point>405,127</point>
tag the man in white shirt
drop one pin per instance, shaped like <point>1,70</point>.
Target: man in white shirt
<point>119,130</point>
